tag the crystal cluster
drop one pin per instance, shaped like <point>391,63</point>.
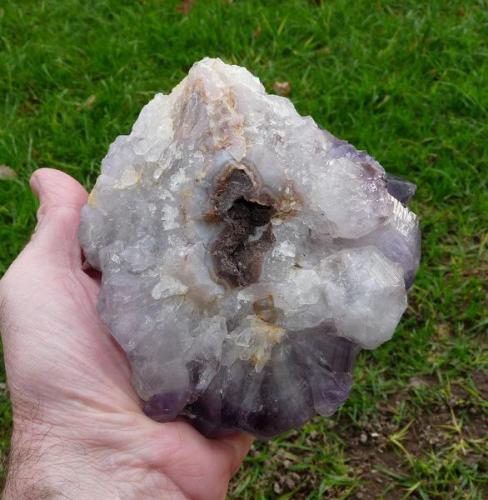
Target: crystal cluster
<point>246,255</point>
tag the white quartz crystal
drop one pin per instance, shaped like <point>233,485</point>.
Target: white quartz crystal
<point>246,255</point>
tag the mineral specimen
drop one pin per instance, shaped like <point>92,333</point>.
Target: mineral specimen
<point>246,255</point>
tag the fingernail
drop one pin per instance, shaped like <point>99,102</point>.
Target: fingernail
<point>36,185</point>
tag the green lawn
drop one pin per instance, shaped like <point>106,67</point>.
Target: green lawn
<point>406,80</point>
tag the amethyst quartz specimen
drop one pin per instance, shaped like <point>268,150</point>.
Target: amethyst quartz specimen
<point>246,255</point>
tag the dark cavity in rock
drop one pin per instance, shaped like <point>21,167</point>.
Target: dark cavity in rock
<point>239,249</point>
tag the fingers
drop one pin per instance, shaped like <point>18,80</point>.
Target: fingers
<point>237,447</point>
<point>61,198</point>
<point>201,467</point>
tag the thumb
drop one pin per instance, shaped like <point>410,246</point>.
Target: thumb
<point>61,198</point>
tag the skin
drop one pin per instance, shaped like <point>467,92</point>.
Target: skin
<point>79,431</point>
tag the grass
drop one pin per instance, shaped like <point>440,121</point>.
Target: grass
<point>406,80</point>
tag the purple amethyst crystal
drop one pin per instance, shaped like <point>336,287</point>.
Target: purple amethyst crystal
<point>246,255</point>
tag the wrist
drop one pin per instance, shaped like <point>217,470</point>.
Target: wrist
<point>51,461</point>
<point>42,465</point>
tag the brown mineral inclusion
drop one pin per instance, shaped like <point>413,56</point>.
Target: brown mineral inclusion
<point>239,249</point>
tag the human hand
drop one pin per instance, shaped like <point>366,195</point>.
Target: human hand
<point>79,431</point>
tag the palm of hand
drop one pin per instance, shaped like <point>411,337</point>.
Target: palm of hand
<point>68,377</point>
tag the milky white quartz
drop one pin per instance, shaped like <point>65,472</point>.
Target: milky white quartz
<point>246,255</point>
